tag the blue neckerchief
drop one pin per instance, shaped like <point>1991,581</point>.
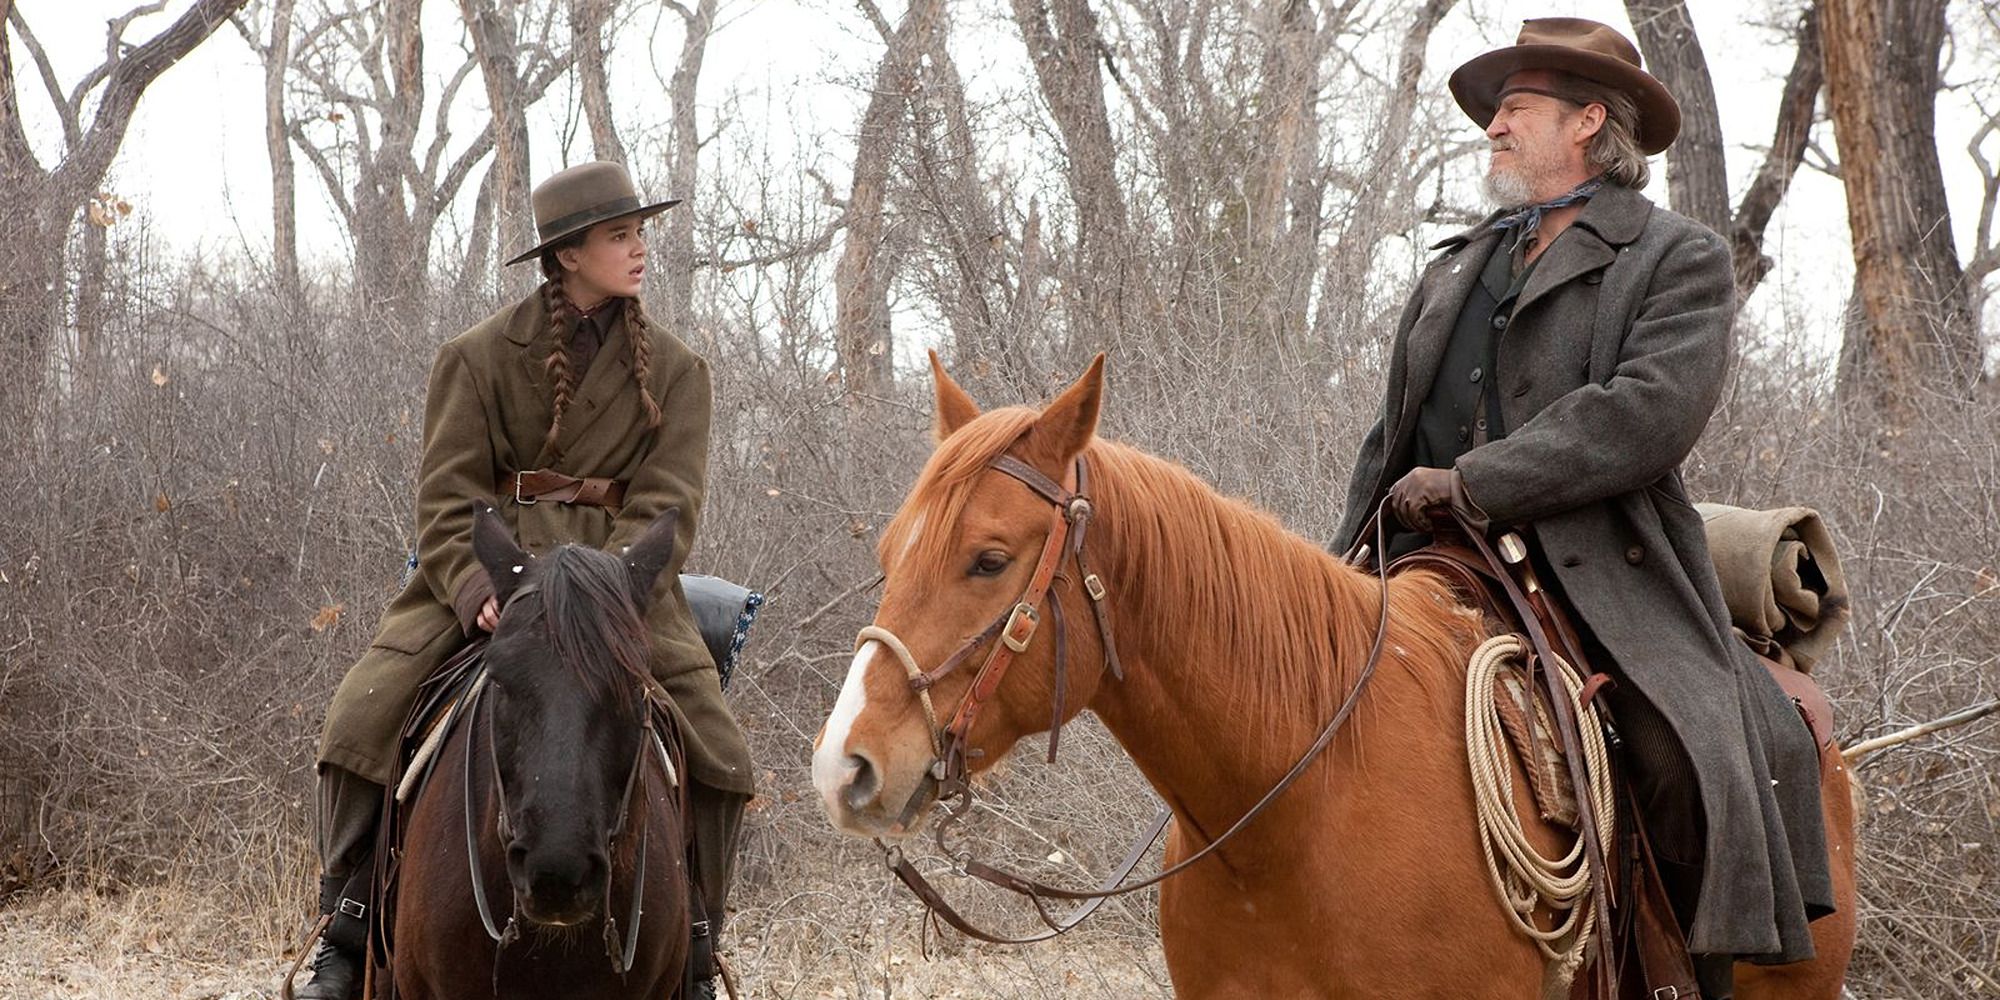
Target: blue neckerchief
<point>1529,219</point>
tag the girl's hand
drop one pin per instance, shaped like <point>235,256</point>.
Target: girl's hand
<point>489,614</point>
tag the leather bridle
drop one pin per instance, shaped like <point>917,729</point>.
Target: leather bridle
<point>950,771</point>
<point>651,701</point>
<point>1015,629</point>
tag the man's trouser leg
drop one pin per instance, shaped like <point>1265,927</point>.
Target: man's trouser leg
<point>716,820</point>
<point>1666,794</point>
<point>350,806</point>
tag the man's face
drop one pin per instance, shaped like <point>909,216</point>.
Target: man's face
<point>1535,152</point>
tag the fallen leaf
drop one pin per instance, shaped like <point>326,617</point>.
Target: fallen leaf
<point>328,616</point>
<point>161,503</point>
<point>159,377</point>
<point>326,446</point>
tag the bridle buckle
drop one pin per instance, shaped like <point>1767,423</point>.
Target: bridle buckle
<point>1094,587</point>
<point>1020,629</point>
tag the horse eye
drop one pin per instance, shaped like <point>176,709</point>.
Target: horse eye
<point>990,563</point>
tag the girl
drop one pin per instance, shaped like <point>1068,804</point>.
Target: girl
<point>586,422</point>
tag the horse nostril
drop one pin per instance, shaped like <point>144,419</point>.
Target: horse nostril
<point>863,786</point>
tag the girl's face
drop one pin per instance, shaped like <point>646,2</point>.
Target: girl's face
<point>611,261</point>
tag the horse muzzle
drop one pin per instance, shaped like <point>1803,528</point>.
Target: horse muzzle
<point>557,888</point>
<point>859,801</point>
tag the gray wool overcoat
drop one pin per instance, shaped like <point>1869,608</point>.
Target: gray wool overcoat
<point>487,415</point>
<point>1608,373</point>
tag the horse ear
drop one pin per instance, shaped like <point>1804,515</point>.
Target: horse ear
<point>496,549</point>
<point>646,558</point>
<point>1068,424</point>
<point>955,407</point>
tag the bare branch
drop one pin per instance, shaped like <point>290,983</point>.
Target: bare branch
<point>64,109</point>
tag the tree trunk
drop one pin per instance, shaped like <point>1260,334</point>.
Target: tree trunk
<point>683,173</point>
<point>1063,44</point>
<point>862,335</point>
<point>495,45</point>
<point>946,174</point>
<point>1281,187</point>
<point>586,18</point>
<point>1916,334</point>
<point>1697,181</point>
<point>1788,147</point>
<point>278,145</point>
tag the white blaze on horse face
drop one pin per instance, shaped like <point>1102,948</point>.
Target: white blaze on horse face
<point>831,768</point>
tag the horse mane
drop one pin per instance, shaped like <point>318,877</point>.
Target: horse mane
<point>585,609</point>
<point>1268,603</point>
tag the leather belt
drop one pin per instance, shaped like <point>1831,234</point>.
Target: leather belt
<point>532,486</point>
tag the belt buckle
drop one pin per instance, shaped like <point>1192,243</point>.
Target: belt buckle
<point>518,498</point>
<point>1667,993</point>
<point>353,908</point>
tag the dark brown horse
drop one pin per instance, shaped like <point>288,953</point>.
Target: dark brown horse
<point>561,782</point>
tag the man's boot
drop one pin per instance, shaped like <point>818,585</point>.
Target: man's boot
<point>338,962</point>
<point>1716,974</point>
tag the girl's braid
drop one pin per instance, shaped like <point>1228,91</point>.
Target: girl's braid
<point>639,333</point>
<point>557,364</point>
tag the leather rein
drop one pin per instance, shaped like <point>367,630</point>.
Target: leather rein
<point>651,696</point>
<point>1015,628</point>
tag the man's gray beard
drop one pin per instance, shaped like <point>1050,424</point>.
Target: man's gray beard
<point>1508,189</point>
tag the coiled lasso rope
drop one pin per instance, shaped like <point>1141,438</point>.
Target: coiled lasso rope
<point>1521,876</point>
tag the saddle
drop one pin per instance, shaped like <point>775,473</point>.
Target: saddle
<point>1499,581</point>
<point>1648,955</point>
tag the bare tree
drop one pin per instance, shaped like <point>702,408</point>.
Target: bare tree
<point>683,157</point>
<point>276,55</point>
<point>496,47</point>
<point>1063,44</point>
<point>1916,333</point>
<point>365,63</point>
<point>862,335</point>
<point>1781,161</point>
<point>43,202</point>
<point>1383,186</point>
<point>586,23</point>
<point>1697,184</point>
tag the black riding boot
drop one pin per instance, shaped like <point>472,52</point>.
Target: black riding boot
<point>349,808</point>
<point>1716,974</point>
<point>339,960</point>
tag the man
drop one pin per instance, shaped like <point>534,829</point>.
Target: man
<point>1554,367</point>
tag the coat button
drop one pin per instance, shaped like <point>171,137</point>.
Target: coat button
<point>1594,278</point>
<point>1635,555</point>
<point>1500,321</point>
<point>1463,433</point>
<point>1478,374</point>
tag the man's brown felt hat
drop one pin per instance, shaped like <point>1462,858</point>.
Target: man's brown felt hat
<point>583,196</point>
<point>1588,49</point>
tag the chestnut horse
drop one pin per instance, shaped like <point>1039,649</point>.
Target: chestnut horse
<point>560,778</point>
<point>1238,641</point>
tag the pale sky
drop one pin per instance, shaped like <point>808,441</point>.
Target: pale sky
<point>194,162</point>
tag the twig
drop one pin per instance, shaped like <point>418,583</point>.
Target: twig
<point>1958,718</point>
<point>807,622</point>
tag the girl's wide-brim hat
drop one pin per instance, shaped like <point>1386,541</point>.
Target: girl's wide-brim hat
<point>1594,51</point>
<point>581,197</point>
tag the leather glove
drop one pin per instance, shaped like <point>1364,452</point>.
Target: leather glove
<point>1417,492</point>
